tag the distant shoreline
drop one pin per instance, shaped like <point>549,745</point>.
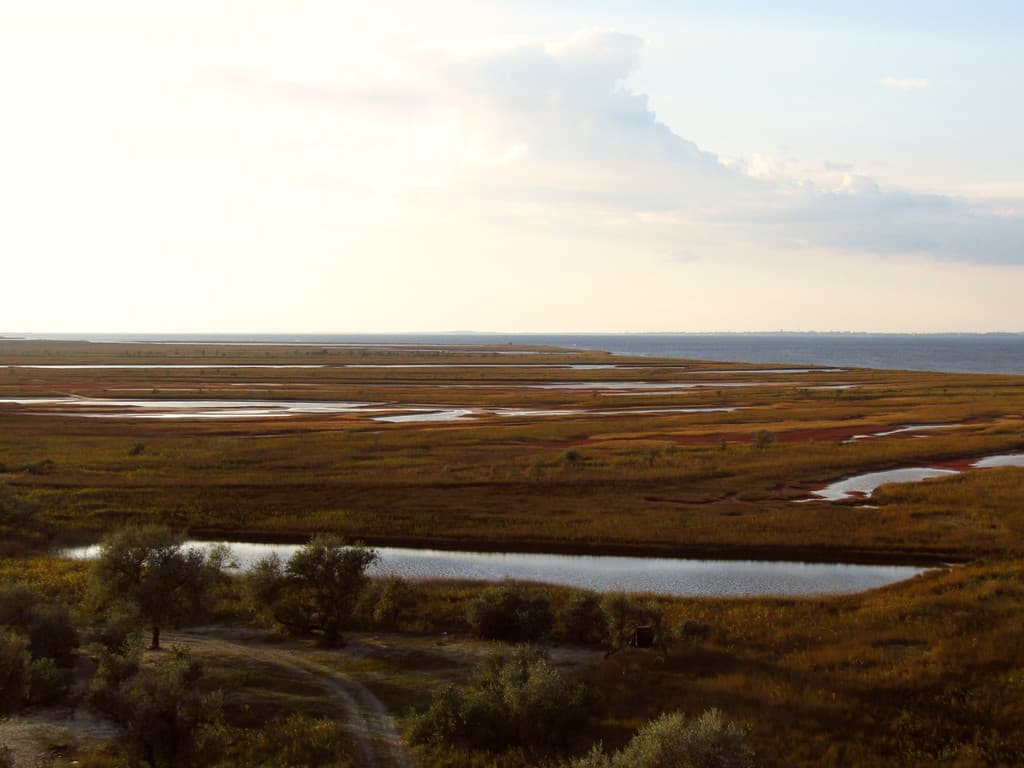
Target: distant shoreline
<point>991,352</point>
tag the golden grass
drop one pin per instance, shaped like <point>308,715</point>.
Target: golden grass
<point>682,483</point>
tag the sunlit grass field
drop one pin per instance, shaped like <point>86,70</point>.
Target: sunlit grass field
<point>924,672</point>
<point>589,480</point>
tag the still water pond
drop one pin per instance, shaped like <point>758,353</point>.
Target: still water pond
<point>668,576</point>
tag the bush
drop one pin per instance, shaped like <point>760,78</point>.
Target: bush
<point>51,633</point>
<point>623,614</point>
<point>393,598</point>
<point>516,697</point>
<point>47,683</point>
<point>48,626</point>
<point>15,661</point>
<point>168,718</point>
<point>114,671</point>
<point>671,742</point>
<point>17,604</point>
<point>19,526</point>
<point>119,631</point>
<point>583,621</point>
<point>6,757</point>
<point>510,613</point>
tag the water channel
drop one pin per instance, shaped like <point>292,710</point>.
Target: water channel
<point>660,575</point>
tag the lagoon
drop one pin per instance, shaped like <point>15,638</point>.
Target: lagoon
<point>660,575</point>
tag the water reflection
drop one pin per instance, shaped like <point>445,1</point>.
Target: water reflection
<point>668,576</point>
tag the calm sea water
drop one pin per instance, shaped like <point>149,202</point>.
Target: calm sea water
<point>964,353</point>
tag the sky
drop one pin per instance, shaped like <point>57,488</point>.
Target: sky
<point>353,167</point>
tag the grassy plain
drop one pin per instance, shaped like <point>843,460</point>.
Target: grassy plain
<point>926,672</point>
<point>608,476</point>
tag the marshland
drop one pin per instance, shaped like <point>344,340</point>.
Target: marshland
<point>542,452</point>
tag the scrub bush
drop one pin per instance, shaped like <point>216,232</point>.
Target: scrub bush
<point>672,742</point>
<point>15,662</point>
<point>510,613</point>
<point>516,698</point>
<point>583,621</point>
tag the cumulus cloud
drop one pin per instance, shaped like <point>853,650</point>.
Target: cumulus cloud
<point>905,84</point>
<point>555,128</point>
<point>588,138</point>
<point>584,129</point>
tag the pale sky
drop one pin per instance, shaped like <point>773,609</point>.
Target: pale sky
<point>303,166</point>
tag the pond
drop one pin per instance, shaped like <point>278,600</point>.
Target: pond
<point>861,486</point>
<point>661,575</point>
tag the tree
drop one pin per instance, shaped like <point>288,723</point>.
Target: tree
<point>316,590</point>
<point>47,624</point>
<point>170,718</point>
<point>149,568</point>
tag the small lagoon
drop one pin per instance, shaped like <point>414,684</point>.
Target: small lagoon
<point>660,575</point>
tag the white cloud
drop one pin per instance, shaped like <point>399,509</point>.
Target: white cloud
<point>307,153</point>
<point>905,84</point>
<point>597,145</point>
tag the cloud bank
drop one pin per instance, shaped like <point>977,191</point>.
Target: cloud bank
<point>586,137</point>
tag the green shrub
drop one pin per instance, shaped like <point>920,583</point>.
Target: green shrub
<point>120,629</point>
<point>516,697</point>
<point>114,671</point>
<point>17,604</point>
<point>393,598</point>
<point>511,613</point>
<point>623,614</point>
<point>583,621</point>
<point>15,661</point>
<point>48,625</point>
<point>169,719</point>
<point>672,742</point>
<point>51,633</point>
<point>47,682</point>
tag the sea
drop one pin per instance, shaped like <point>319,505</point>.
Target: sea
<point>960,353</point>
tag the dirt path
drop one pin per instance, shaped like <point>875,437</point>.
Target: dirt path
<point>41,736</point>
<point>372,728</point>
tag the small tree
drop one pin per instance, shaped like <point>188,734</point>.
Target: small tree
<point>393,598</point>
<point>510,612</point>
<point>583,620</point>
<point>51,633</point>
<point>149,567</point>
<point>169,719</point>
<point>763,438</point>
<point>316,590</point>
